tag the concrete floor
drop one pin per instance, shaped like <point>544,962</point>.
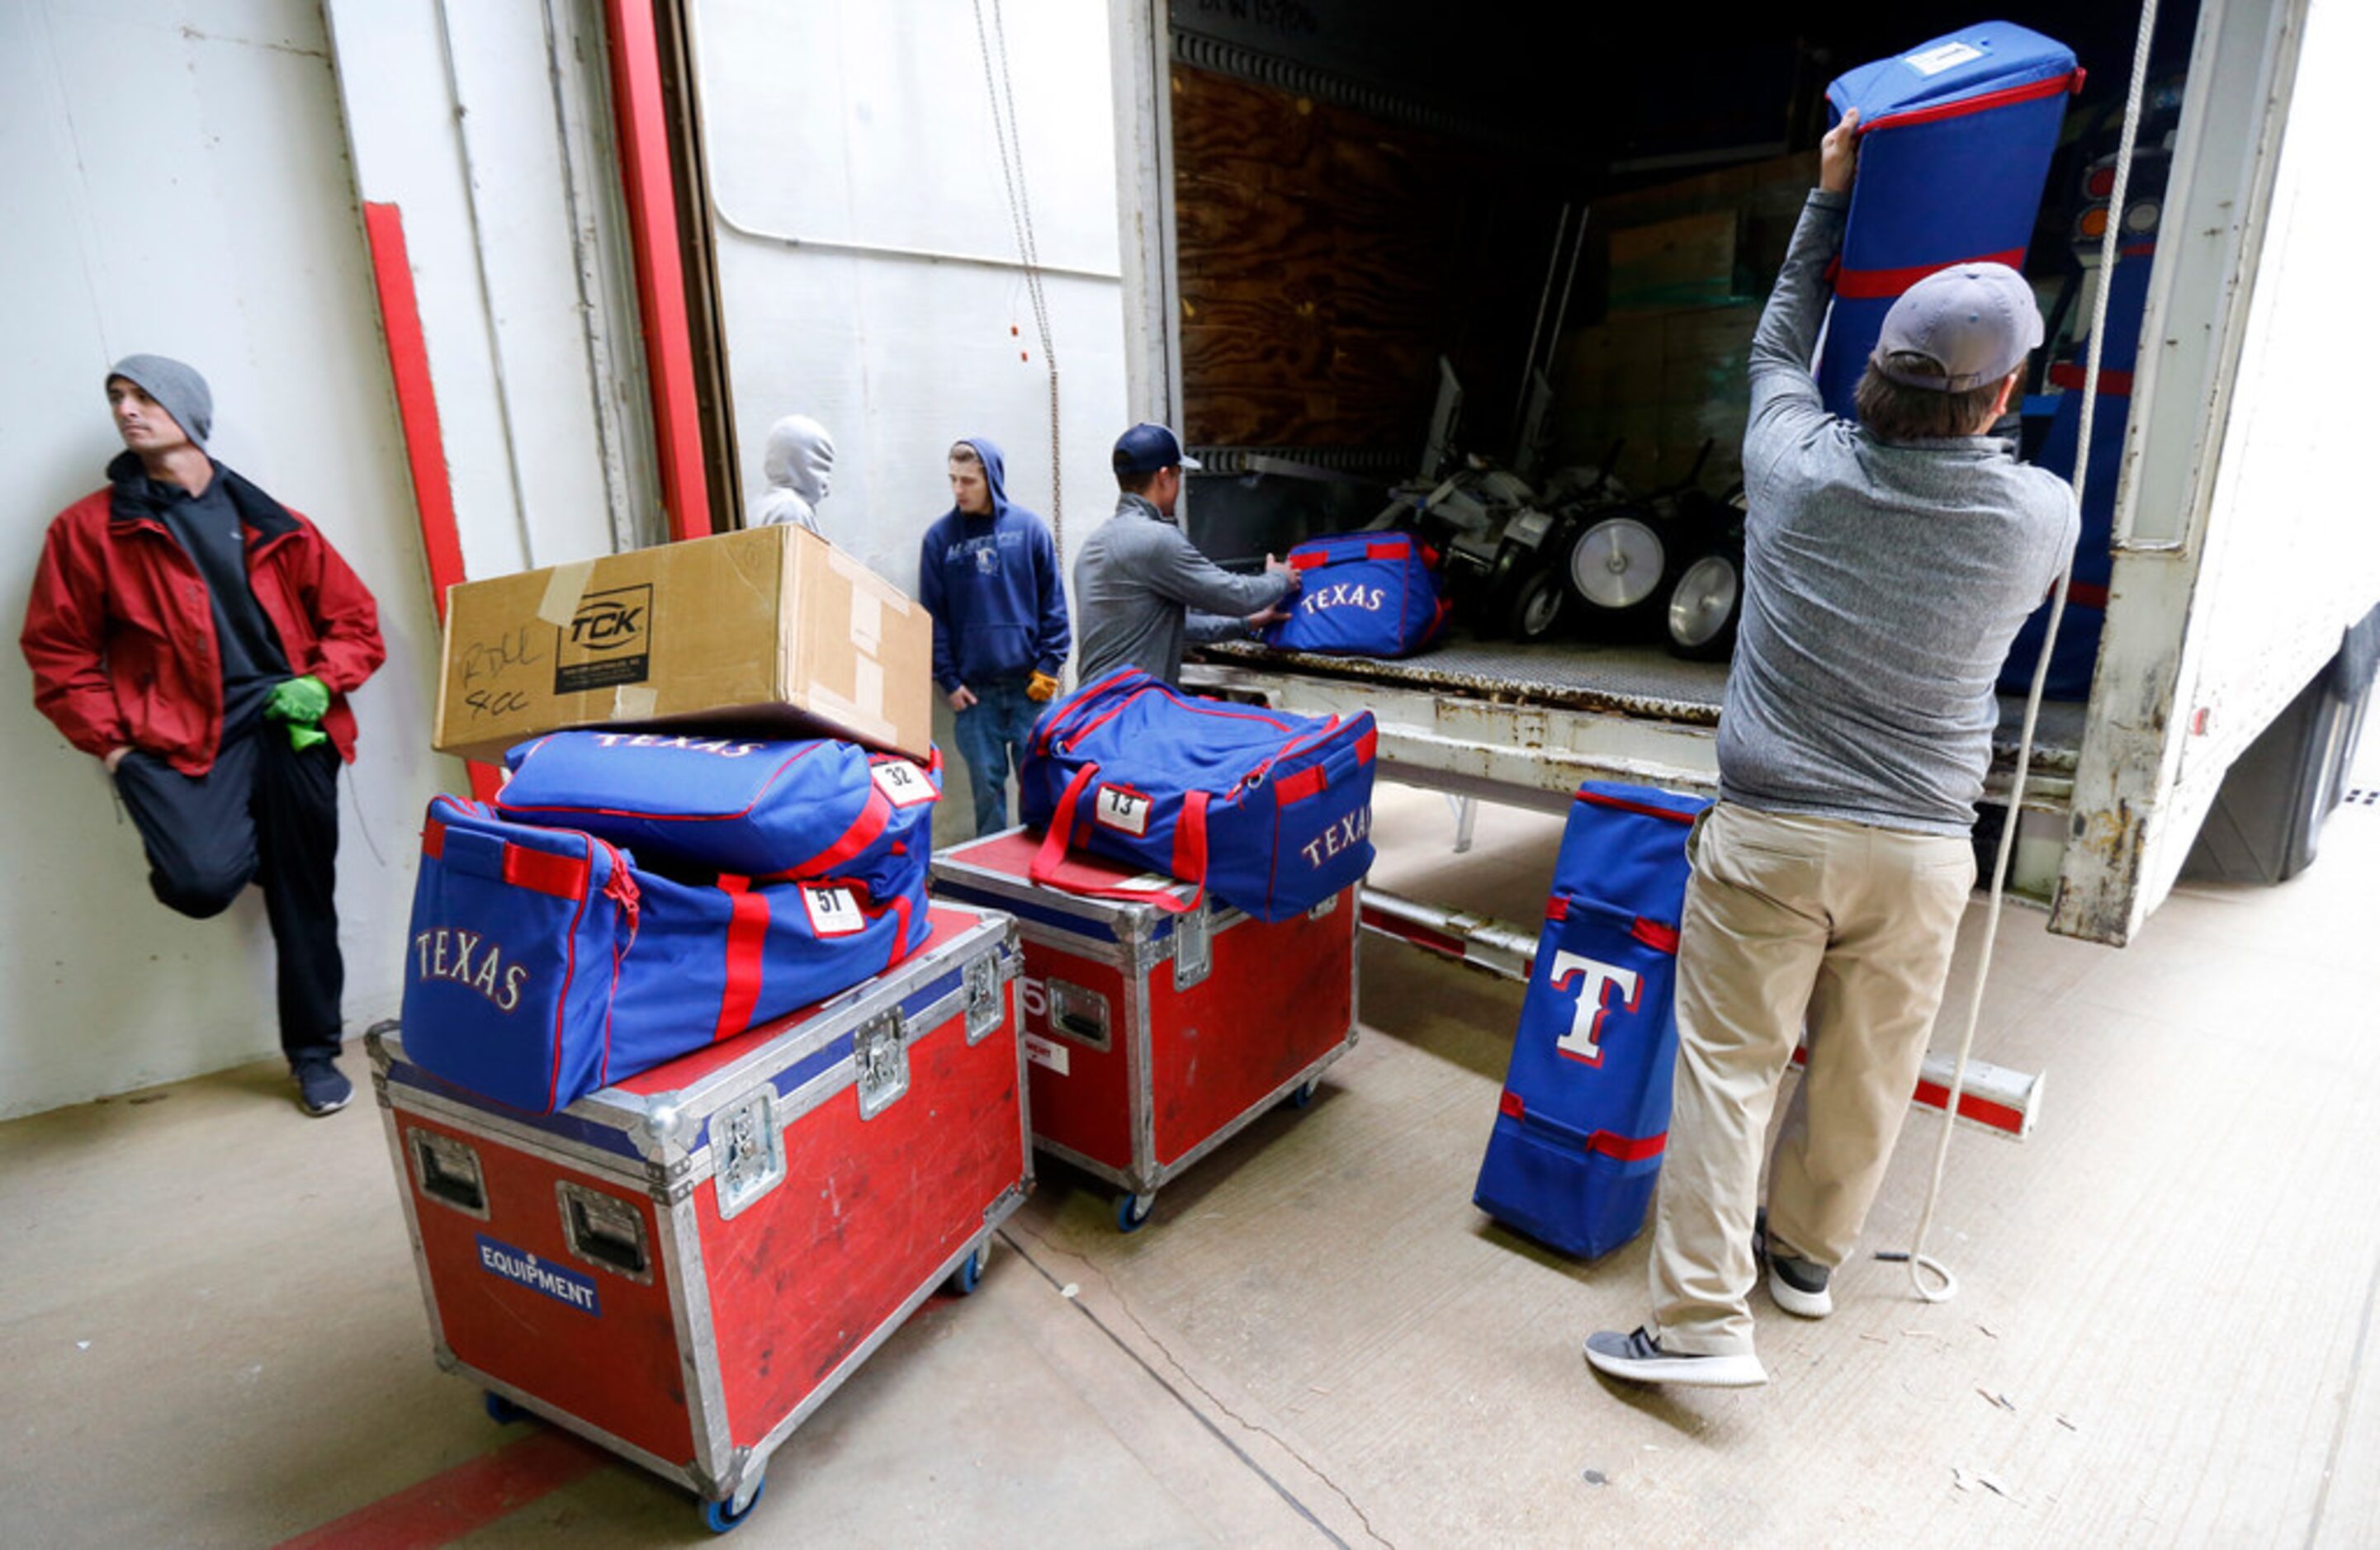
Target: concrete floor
<point>211,1334</point>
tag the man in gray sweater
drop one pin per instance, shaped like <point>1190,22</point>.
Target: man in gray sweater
<point>1888,565</point>
<point>1142,589</point>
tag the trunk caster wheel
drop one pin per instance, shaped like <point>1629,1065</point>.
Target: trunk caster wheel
<point>501,1411</point>
<point>1132,1211</point>
<point>1302,1096</point>
<point>722,1518</point>
<point>963,1281</point>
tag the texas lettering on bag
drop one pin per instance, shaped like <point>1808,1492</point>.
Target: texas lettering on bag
<point>449,953</point>
<point>693,745</point>
<point>1344,594</point>
<point>1342,834</point>
<point>1595,982</point>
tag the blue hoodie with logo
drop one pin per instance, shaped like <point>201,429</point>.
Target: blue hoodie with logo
<point>991,583</point>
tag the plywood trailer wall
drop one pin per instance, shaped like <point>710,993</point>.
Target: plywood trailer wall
<point>1328,258</point>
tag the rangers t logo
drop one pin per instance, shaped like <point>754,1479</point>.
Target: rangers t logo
<point>1127,810</point>
<point>1597,981</point>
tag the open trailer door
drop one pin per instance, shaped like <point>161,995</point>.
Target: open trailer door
<point>2244,545</point>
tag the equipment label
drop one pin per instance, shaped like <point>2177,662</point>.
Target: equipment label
<point>1046,1052</point>
<point>1934,61</point>
<point>523,1268</point>
<point>902,784</point>
<point>1127,810</point>
<point>833,912</point>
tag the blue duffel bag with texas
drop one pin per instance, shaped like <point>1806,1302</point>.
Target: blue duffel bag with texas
<point>1270,812</point>
<point>771,810</point>
<point>1956,139</point>
<point>1371,594</point>
<point>542,963</point>
<point>1585,1113</point>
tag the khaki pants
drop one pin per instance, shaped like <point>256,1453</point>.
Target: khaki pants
<point>1787,919</point>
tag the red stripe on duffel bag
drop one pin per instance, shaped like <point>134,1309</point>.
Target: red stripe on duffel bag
<point>2069,374</point>
<point>2007,96</point>
<point>1367,745</point>
<point>1051,867</point>
<point>1622,805</point>
<point>1298,787</point>
<point>563,876</point>
<point>1308,562</point>
<point>433,838</point>
<point>1884,284</point>
<point>2082,594</point>
<point>1653,934</point>
<point>748,934</point>
<point>1627,1148</point>
<point>1190,842</point>
<point>1393,549</point>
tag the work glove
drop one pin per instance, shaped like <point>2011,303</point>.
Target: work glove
<point>1041,688</point>
<point>300,700</point>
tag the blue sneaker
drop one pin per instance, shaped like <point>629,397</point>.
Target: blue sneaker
<point>321,1088</point>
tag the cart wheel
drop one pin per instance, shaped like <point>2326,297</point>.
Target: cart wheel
<point>501,1411</point>
<point>968,1277</point>
<point>1302,1096</point>
<point>723,1518</point>
<point>1132,1211</point>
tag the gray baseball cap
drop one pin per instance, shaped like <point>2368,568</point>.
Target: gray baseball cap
<point>1976,321</point>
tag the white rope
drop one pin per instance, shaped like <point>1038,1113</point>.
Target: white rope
<point>999,86</point>
<point>1919,1262</point>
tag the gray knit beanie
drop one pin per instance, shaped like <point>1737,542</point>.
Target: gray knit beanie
<point>179,390</point>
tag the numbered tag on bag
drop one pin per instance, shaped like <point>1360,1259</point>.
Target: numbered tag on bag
<point>833,912</point>
<point>903,784</point>
<point>1122,809</point>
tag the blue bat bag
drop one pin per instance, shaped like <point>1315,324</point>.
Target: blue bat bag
<point>542,964</point>
<point>1270,812</point>
<point>1956,137</point>
<point>777,811</point>
<point>1362,595</point>
<point>1585,1113</point>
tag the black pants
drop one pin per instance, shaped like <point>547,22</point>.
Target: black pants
<point>264,814</point>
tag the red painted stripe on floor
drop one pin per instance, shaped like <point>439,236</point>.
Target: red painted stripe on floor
<point>467,1497</point>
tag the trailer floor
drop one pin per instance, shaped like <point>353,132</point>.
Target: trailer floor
<point>1631,680</point>
<point>212,1335</point>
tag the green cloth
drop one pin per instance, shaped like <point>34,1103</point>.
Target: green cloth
<point>301,700</point>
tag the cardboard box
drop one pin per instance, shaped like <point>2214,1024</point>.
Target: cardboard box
<point>772,629</point>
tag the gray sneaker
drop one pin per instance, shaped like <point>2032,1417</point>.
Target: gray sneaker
<point>1638,1357</point>
<point>1796,1285</point>
<point>322,1089</point>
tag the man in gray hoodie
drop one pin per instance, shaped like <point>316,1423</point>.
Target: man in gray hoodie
<point>1888,565</point>
<point>1142,589</point>
<point>799,458</point>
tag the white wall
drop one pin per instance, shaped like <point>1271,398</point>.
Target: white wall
<point>177,184</point>
<point>867,124</point>
<point>489,128</point>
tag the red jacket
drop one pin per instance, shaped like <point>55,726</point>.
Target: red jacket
<point>122,640</point>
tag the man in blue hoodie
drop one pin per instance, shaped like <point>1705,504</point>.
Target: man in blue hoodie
<point>988,573</point>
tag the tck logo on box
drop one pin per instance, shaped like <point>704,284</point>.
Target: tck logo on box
<point>608,641</point>
<point>523,1268</point>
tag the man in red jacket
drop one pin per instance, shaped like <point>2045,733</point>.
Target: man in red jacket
<point>201,639</point>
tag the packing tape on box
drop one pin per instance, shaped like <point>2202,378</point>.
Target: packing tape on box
<point>635,702</point>
<point>864,713</point>
<point>862,579</point>
<point>563,590</point>
<point>866,620</point>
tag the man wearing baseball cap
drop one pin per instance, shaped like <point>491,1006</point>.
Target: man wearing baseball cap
<point>201,639</point>
<point>1142,589</point>
<point>1888,564</point>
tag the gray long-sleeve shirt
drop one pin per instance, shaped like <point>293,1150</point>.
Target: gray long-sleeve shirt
<point>1883,583</point>
<point>1142,589</point>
